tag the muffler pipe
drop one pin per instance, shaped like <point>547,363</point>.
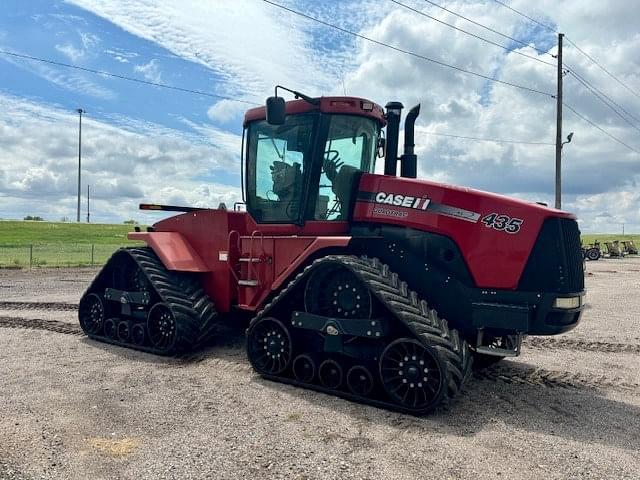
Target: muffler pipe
<point>409,161</point>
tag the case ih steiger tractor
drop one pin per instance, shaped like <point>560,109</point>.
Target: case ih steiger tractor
<point>381,289</point>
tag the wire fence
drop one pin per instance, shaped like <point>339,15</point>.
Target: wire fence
<point>55,255</point>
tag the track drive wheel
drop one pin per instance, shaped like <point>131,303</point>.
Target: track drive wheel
<point>91,313</point>
<point>413,375</point>
<point>269,346</point>
<point>334,291</point>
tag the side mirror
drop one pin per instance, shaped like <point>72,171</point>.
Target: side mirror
<point>275,111</point>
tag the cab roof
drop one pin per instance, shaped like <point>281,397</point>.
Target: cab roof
<point>339,105</point>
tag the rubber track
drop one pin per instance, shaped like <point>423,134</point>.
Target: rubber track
<point>192,308</point>
<point>539,377</point>
<point>581,345</point>
<point>40,324</point>
<point>408,309</point>
<point>56,306</point>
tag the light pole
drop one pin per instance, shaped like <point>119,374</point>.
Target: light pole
<point>80,112</point>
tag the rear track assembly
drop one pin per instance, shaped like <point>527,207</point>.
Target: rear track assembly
<point>348,326</point>
<point>136,302</point>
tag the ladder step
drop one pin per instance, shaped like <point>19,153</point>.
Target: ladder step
<point>250,259</point>
<point>248,283</point>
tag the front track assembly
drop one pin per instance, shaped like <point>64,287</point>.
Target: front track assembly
<point>136,302</point>
<point>348,326</point>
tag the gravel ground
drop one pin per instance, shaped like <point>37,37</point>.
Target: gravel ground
<point>569,407</point>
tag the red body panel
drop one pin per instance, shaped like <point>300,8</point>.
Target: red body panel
<point>339,105</point>
<point>200,242</point>
<point>496,259</point>
<point>174,251</point>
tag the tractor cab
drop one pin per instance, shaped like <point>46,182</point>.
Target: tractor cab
<point>303,165</point>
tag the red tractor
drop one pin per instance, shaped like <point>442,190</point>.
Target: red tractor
<point>381,289</point>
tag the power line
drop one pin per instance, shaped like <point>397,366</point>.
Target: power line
<point>526,16</point>
<point>478,139</point>
<point>572,43</point>
<point>578,114</point>
<point>124,77</point>
<point>520,42</point>
<point>407,52</point>
<point>603,69</point>
<point>470,34</point>
<point>572,71</point>
<point>599,97</point>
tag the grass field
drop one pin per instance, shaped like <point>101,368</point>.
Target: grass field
<point>606,237</point>
<point>24,243</point>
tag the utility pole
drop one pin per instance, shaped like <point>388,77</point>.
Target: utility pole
<point>80,112</point>
<point>559,127</point>
<point>88,212</point>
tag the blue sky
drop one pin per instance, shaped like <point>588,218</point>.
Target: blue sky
<point>144,143</point>
<point>63,32</point>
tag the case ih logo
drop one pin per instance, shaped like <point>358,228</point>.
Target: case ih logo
<point>397,200</point>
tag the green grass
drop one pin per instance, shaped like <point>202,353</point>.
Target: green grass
<point>59,244</point>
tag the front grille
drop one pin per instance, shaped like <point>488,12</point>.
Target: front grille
<point>573,254</point>
<point>555,263</point>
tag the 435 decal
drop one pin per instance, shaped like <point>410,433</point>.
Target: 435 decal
<point>503,223</point>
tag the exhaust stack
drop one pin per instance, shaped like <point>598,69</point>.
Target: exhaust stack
<point>409,161</point>
<point>394,110</point>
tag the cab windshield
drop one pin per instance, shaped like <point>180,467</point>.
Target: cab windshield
<point>311,157</point>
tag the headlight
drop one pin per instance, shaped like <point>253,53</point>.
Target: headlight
<point>567,303</point>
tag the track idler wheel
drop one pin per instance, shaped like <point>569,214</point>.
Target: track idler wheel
<point>304,368</point>
<point>124,332</point>
<point>162,327</point>
<point>91,313</point>
<point>111,328</point>
<point>269,346</point>
<point>138,335</point>
<point>359,380</point>
<point>330,374</point>
<point>412,374</point>
<point>334,291</point>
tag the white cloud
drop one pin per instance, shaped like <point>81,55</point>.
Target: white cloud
<point>72,53</point>
<point>224,111</point>
<point>150,71</point>
<point>38,164</point>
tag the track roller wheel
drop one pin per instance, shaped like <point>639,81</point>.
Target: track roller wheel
<point>137,334</point>
<point>269,346</point>
<point>304,368</point>
<point>330,374</point>
<point>111,328</point>
<point>412,374</point>
<point>162,327</point>
<point>91,313</point>
<point>359,380</point>
<point>334,291</point>
<point>124,331</point>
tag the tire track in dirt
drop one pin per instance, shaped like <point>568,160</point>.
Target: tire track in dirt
<point>56,306</point>
<point>40,324</point>
<point>581,345</point>
<point>540,377</point>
